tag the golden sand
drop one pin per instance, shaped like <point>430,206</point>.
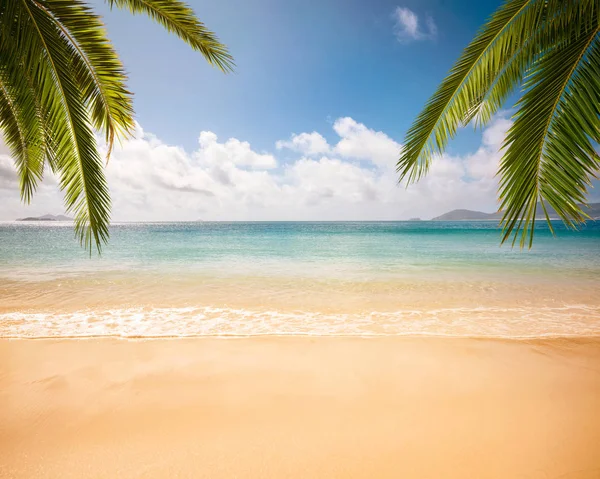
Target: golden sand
<point>300,408</point>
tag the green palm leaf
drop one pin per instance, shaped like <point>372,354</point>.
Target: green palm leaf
<point>21,121</point>
<point>179,19</point>
<point>550,48</point>
<point>22,131</point>
<point>61,82</point>
<point>454,100</point>
<point>549,155</point>
<point>78,159</point>
<point>96,61</point>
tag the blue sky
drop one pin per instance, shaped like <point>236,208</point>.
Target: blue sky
<point>308,127</point>
<point>300,64</point>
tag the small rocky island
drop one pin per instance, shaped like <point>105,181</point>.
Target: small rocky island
<point>46,218</point>
<point>592,210</point>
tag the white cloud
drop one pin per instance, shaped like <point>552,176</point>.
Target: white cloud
<point>407,26</point>
<point>10,199</point>
<point>233,150</point>
<point>351,179</point>
<point>483,164</point>
<point>8,175</point>
<point>330,178</point>
<point>494,134</point>
<point>358,141</point>
<point>306,143</point>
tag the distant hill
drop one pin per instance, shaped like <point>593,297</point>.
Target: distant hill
<point>465,215</point>
<point>46,218</point>
<point>593,211</point>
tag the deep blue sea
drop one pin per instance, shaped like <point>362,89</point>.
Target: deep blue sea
<point>205,278</point>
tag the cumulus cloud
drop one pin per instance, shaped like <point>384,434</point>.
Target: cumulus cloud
<point>8,176</point>
<point>483,164</point>
<point>307,143</point>
<point>329,178</point>
<point>352,178</point>
<point>233,150</point>
<point>358,141</point>
<point>408,28</point>
<point>47,196</point>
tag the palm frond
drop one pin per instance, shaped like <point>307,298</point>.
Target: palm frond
<point>560,22</point>
<point>77,158</point>
<point>500,38</point>
<point>505,81</point>
<point>61,81</point>
<point>550,48</point>
<point>178,18</point>
<point>21,121</point>
<point>21,136</point>
<point>549,153</point>
<point>97,64</point>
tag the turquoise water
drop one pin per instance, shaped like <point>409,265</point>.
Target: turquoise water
<point>163,279</point>
<point>395,248</point>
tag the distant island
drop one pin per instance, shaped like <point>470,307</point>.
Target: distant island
<point>46,218</point>
<point>415,219</point>
<point>593,210</point>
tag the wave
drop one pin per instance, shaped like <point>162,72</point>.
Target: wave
<point>207,321</point>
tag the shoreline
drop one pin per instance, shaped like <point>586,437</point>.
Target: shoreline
<point>519,320</point>
<point>368,336</point>
<point>297,407</point>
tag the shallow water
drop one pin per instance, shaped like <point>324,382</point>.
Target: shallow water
<point>364,278</point>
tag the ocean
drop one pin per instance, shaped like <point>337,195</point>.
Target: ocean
<point>298,278</point>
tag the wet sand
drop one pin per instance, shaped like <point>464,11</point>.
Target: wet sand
<point>300,407</point>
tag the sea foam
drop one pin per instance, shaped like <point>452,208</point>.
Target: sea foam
<point>517,322</point>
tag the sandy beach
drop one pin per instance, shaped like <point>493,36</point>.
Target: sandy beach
<point>300,407</point>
